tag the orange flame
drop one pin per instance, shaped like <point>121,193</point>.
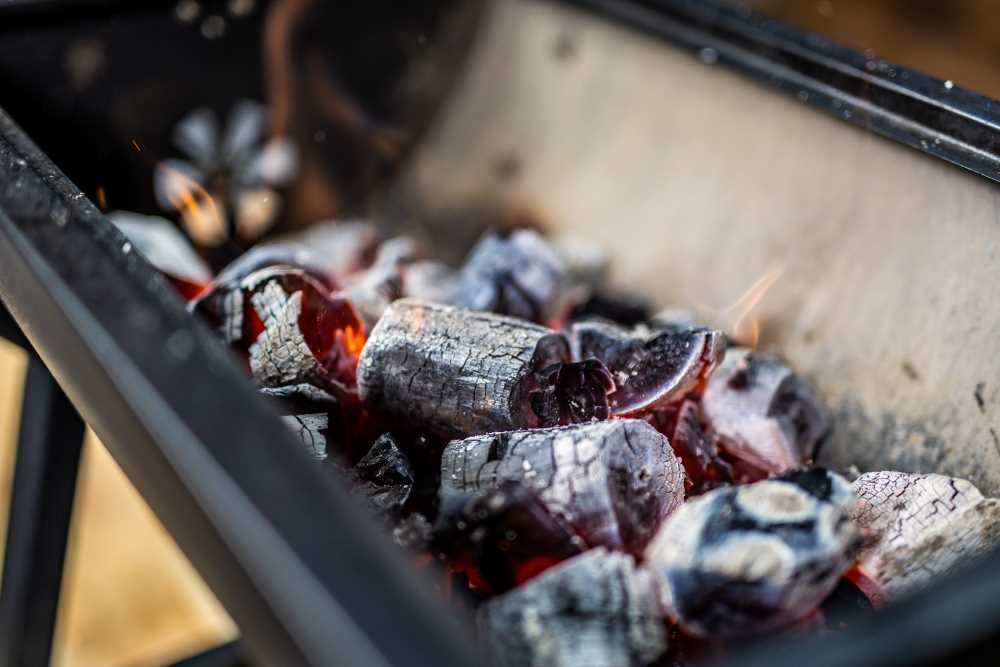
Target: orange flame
<point>735,315</point>
<point>354,341</point>
<point>201,214</point>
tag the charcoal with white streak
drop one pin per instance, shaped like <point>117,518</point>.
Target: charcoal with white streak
<point>503,537</point>
<point>521,276</point>
<point>762,413</point>
<point>921,526</point>
<point>450,372</point>
<point>595,610</point>
<point>649,368</point>
<point>741,561</point>
<point>288,326</point>
<point>613,482</point>
<point>312,414</point>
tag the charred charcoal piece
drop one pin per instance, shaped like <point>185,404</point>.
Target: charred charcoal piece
<point>740,561</point>
<point>167,249</point>
<point>704,465</point>
<point>624,309</point>
<point>504,537</point>
<point>520,276</point>
<point>284,254</point>
<point>384,477</point>
<point>649,368</point>
<point>845,604</point>
<point>613,482</point>
<point>288,327</point>
<point>429,281</point>
<point>595,609</point>
<point>762,413</point>
<point>413,532</point>
<point>450,372</point>
<point>313,414</point>
<point>373,289</point>
<point>920,527</point>
<point>573,393</point>
<point>346,246</point>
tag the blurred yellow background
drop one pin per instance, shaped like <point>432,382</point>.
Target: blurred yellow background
<point>130,598</point>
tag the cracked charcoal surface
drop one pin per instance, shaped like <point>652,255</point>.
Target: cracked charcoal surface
<point>594,610</point>
<point>741,561</point>
<point>520,276</point>
<point>503,537</point>
<point>762,413</point>
<point>450,372</point>
<point>649,368</point>
<point>921,526</point>
<point>613,482</point>
<point>311,413</point>
<point>289,328</point>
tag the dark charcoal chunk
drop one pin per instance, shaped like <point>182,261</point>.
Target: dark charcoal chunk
<point>704,465</point>
<point>613,482</point>
<point>762,413</point>
<point>627,310</point>
<point>520,276</point>
<point>596,609</point>
<point>288,327</point>
<point>649,368</point>
<point>313,414</point>
<point>503,537</point>
<point>384,476</point>
<point>450,372</point>
<point>741,561</point>
<point>846,604</point>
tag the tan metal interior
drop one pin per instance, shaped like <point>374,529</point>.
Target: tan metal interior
<point>699,182</point>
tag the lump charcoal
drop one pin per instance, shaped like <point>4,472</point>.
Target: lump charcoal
<point>762,413</point>
<point>613,482</point>
<point>597,609</point>
<point>288,327</point>
<point>649,368</point>
<point>312,414</point>
<point>503,537</point>
<point>450,373</point>
<point>697,450</point>
<point>920,527</point>
<point>346,246</point>
<point>384,477</point>
<point>373,289</point>
<point>287,253</point>
<point>622,308</point>
<point>429,281</point>
<point>740,561</point>
<point>520,276</point>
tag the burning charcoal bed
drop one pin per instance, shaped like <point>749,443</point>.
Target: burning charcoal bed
<point>603,493</point>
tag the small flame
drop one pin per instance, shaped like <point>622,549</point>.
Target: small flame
<point>739,325</point>
<point>203,217</point>
<point>354,341</point>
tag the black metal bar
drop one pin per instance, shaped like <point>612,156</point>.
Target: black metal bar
<point>933,116</point>
<point>224,655</point>
<point>299,565</point>
<point>45,473</point>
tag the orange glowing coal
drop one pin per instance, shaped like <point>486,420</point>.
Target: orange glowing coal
<point>354,341</point>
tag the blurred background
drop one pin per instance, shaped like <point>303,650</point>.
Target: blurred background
<point>104,92</point>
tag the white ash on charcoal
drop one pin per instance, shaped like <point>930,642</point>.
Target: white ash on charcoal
<point>288,326</point>
<point>595,609</point>
<point>741,561</point>
<point>429,281</point>
<point>613,482</point>
<point>649,368</point>
<point>763,414</point>
<point>346,246</point>
<point>921,526</point>
<point>502,537</point>
<point>373,289</point>
<point>450,372</point>
<point>520,276</point>
<point>288,254</point>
